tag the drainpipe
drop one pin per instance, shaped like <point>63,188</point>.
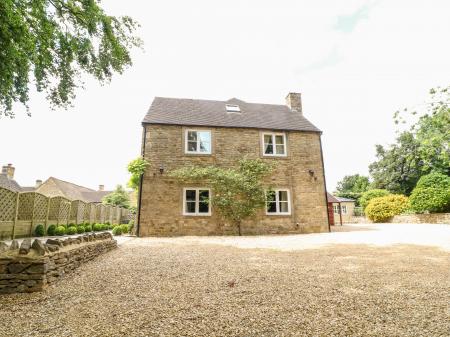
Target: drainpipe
<point>141,180</point>
<point>324,182</point>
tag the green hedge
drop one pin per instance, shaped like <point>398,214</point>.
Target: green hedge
<point>51,230</point>
<point>71,230</point>
<point>430,199</point>
<point>371,194</point>
<point>39,230</point>
<point>60,230</point>
<point>117,230</point>
<point>382,208</point>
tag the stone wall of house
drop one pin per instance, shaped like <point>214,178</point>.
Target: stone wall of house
<point>162,196</point>
<point>31,267</point>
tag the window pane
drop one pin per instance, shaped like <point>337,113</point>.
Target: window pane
<point>280,149</point>
<point>192,135</point>
<point>192,146</point>
<point>203,206</point>
<point>284,207</point>
<point>279,140</point>
<point>268,149</point>
<point>271,207</point>
<point>190,206</point>
<point>270,196</point>
<point>190,195</point>
<point>268,139</point>
<point>283,195</point>
<point>205,147</point>
<point>204,136</point>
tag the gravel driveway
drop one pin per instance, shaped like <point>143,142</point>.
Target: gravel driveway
<point>211,287</point>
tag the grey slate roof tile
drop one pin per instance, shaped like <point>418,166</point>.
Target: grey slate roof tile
<point>195,112</point>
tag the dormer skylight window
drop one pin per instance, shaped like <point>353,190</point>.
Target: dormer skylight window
<point>233,108</point>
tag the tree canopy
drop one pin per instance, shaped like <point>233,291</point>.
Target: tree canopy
<point>422,149</point>
<point>50,43</point>
<point>119,197</point>
<point>137,168</point>
<point>237,192</point>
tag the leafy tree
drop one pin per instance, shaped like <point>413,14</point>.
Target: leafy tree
<point>137,168</point>
<point>353,183</point>
<point>398,167</point>
<point>422,149</point>
<point>52,42</point>
<point>238,192</point>
<point>119,197</point>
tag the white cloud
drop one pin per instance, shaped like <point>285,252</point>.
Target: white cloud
<point>352,80</point>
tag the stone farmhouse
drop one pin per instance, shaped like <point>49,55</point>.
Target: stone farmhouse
<point>189,132</point>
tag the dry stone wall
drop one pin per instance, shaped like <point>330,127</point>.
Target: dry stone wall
<point>32,266</point>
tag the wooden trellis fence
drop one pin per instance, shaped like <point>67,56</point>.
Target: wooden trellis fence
<point>21,212</point>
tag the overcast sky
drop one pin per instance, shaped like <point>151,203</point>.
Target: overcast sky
<point>355,63</point>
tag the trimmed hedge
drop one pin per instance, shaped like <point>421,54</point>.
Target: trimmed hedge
<point>80,230</point>
<point>434,180</point>
<point>60,230</point>
<point>117,230</point>
<point>39,230</point>
<point>370,194</point>
<point>430,199</point>
<point>71,230</point>
<point>382,208</point>
<point>51,230</point>
<point>88,228</point>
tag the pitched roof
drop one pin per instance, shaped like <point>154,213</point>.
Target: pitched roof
<point>332,198</point>
<point>9,184</point>
<point>345,199</point>
<point>195,112</point>
<point>53,187</point>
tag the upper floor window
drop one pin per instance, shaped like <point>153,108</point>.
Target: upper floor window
<point>274,144</point>
<point>278,202</point>
<point>196,201</point>
<point>198,141</point>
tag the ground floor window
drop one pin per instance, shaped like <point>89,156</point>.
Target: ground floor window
<point>278,202</point>
<point>336,209</point>
<point>196,201</point>
<point>344,209</point>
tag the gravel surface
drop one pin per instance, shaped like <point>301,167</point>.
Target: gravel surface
<point>162,287</point>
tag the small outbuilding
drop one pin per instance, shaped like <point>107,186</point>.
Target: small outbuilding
<point>340,210</point>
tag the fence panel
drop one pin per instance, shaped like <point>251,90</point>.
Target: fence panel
<point>8,204</point>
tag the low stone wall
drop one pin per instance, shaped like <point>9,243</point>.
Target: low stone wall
<point>438,218</point>
<point>33,266</point>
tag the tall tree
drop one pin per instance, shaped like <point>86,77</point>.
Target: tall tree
<point>353,183</point>
<point>422,149</point>
<point>50,43</point>
<point>119,197</point>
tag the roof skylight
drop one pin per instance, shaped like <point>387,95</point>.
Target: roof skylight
<point>233,108</point>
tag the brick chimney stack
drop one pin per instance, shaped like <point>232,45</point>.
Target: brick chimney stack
<point>38,183</point>
<point>294,102</point>
<point>9,171</point>
<point>101,187</point>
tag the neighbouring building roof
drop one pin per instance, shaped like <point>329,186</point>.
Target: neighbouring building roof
<point>9,184</point>
<point>54,187</point>
<point>331,198</point>
<point>195,112</point>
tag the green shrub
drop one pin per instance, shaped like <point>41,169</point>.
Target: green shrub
<point>39,230</point>
<point>382,208</point>
<point>369,195</point>
<point>71,230</point>
<point>60,230</point>
<point>124,228</point>
<point>80,230</point>
<point>51,230</point>
<point>97,227</point>
<point>434,180</point>
<point>430,199</point>
<point>130,226</point>
<point>117,230</point>
<point>88,228</point>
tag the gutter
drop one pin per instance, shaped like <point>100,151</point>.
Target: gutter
<point>141,180</point>
<point>324,182</point>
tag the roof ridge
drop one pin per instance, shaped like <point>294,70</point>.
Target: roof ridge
<point>218,101</point>
<point>68,182</point>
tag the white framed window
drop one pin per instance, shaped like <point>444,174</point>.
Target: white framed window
<point>232,108</point>
<point>344,209</point>
<point>278,202</point>
<point>198,141</point>
<point>336,209</point>
<point>274,144</point>
<point>196,201</point>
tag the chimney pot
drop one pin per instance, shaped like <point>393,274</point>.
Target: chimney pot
<point>101,187</point>
<point>294,102</point>
<point>9,171</point>
<point>38,183</point>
